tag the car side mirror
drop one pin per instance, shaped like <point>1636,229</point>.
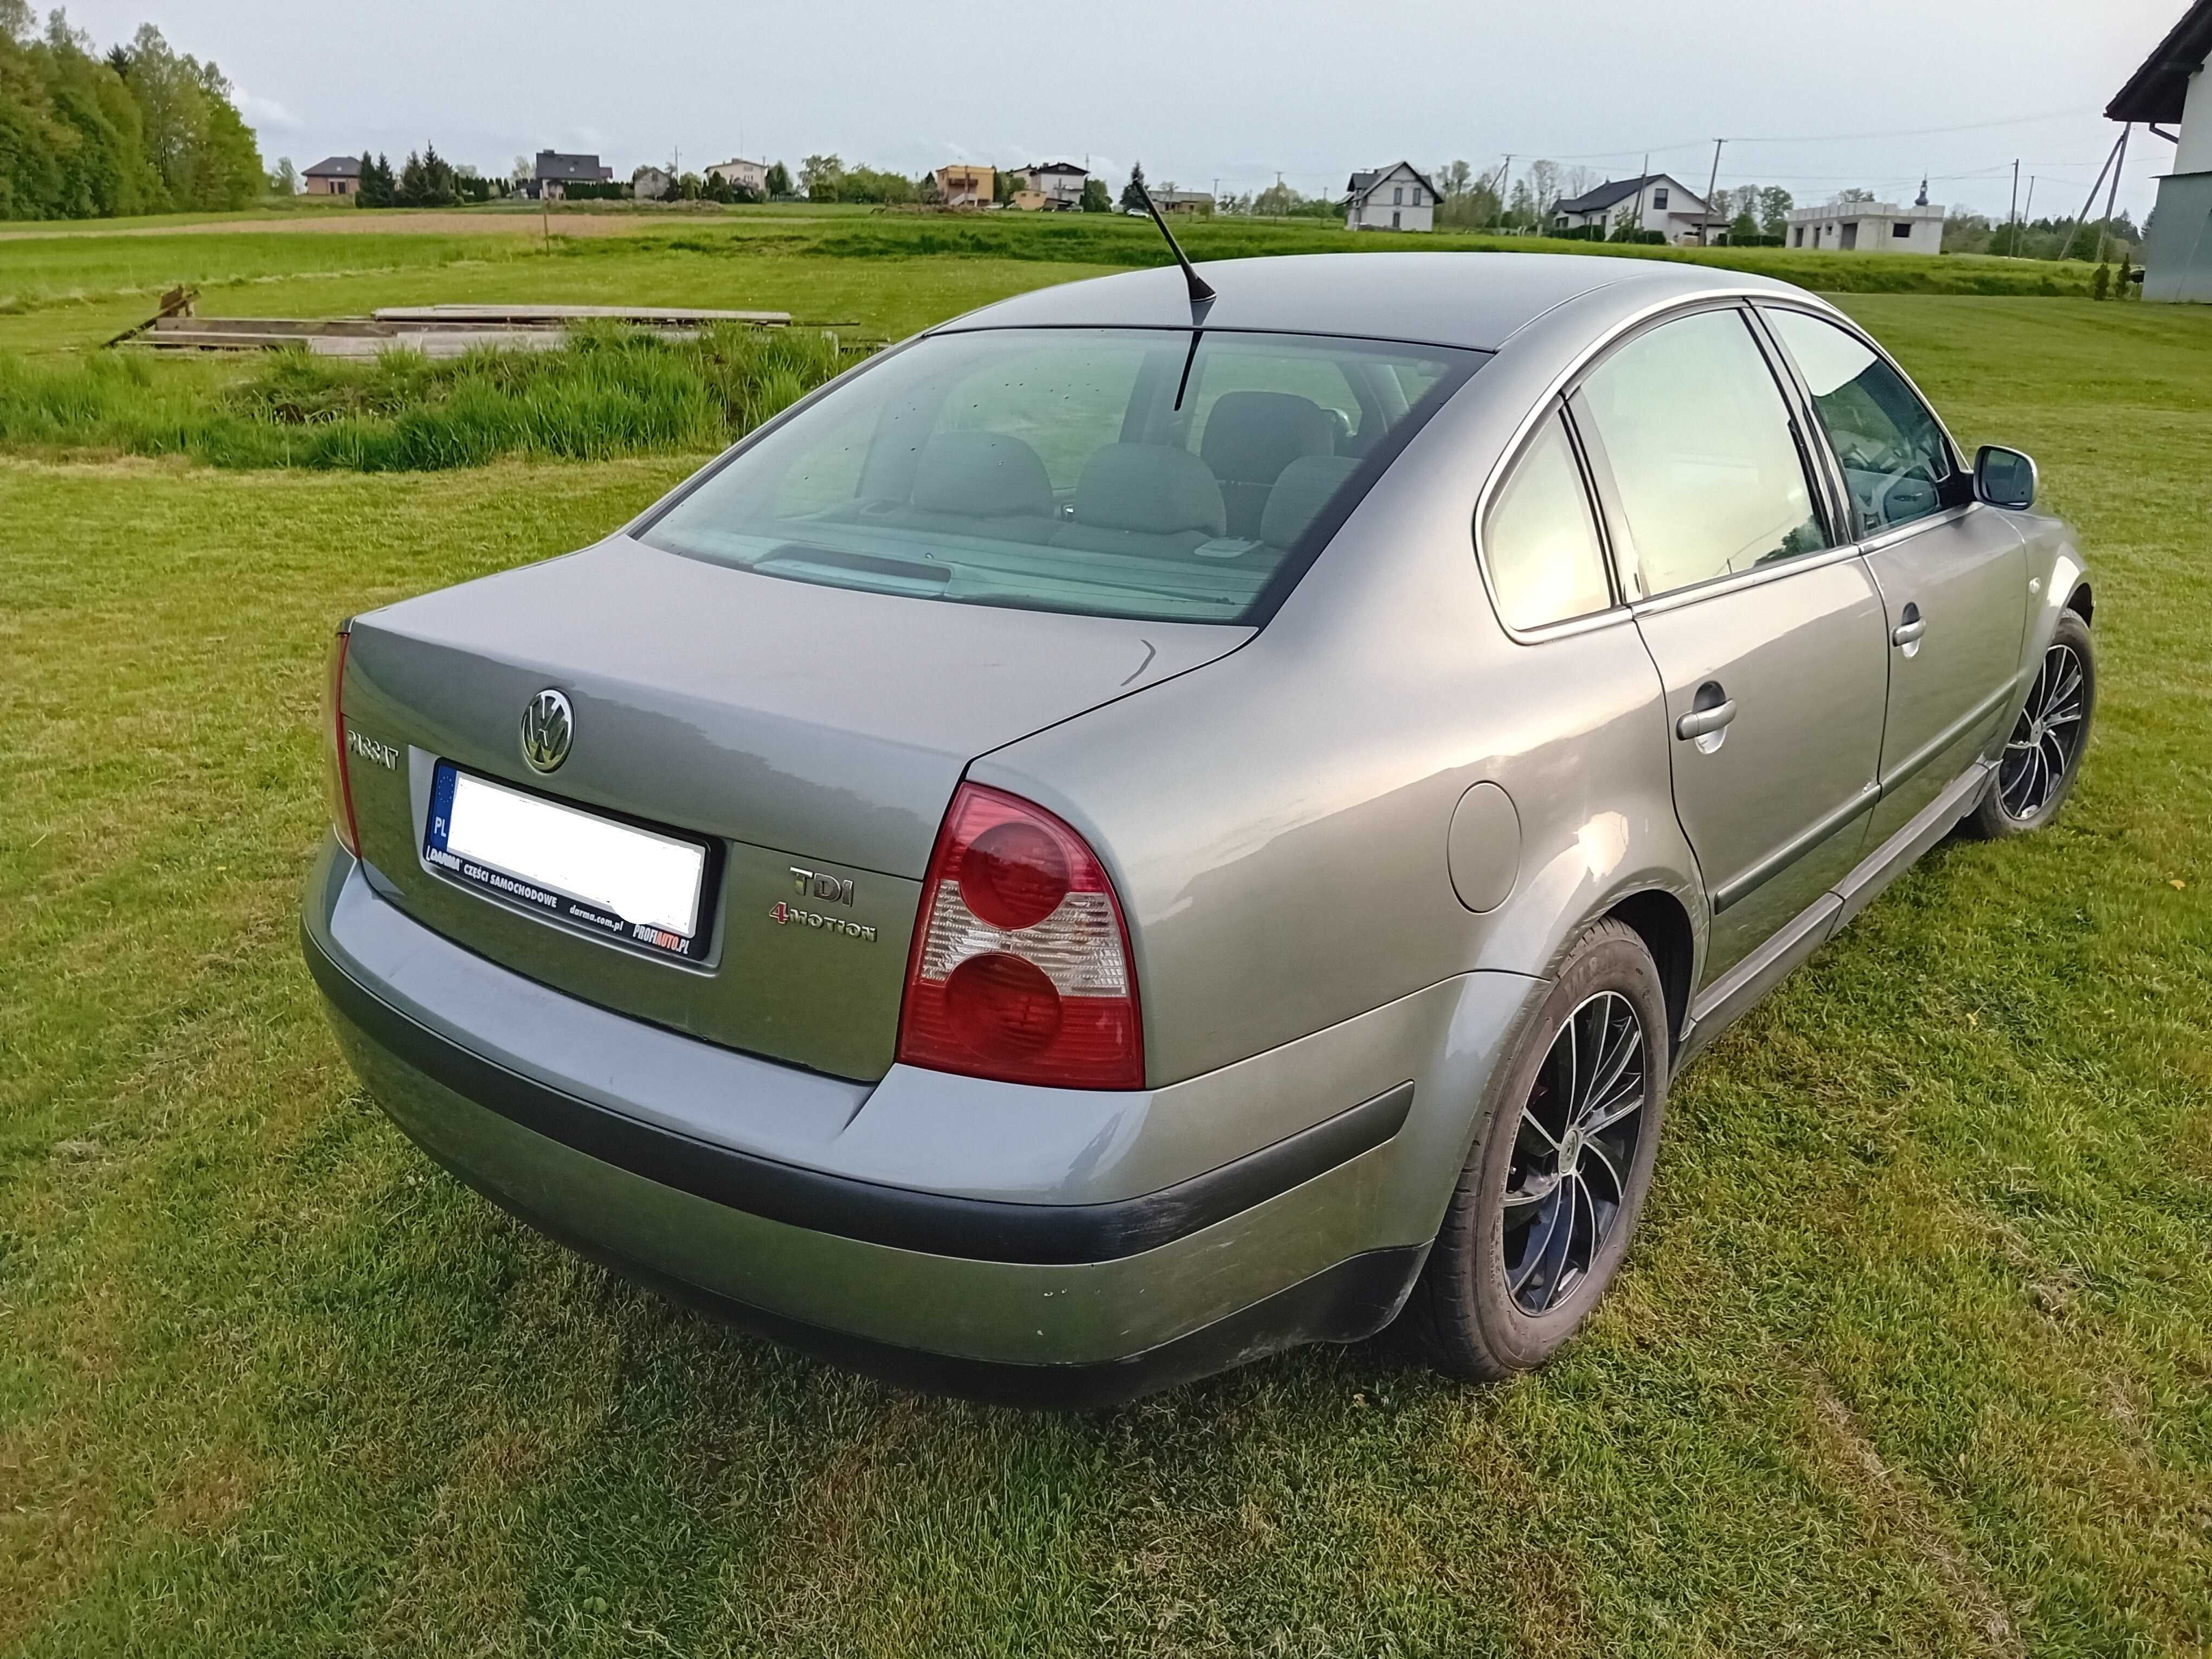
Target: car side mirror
<point>2004,477</point>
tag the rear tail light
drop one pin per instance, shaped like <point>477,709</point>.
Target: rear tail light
<point>1021,967</point>
<point>337,779</point>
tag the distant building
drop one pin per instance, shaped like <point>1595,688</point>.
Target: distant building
<point>650,184</point>
<point>965,185</point>
<point>741,174</point>
<point>556,171</point>
<point>1869,227</point>
<point>334,175</point>
<point>1183,200</point>
<point>1654,201</point>
<point>2173,90</point>
<point>1397,198</point>
<point>1060,183</point>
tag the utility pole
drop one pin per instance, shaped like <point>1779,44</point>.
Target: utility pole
<point>2012,213</point>
<point>1504,176</point>
<point>2027,213</point>
<point>2090,201</point>
<point>1704,229</point>
<point>1644,183</point>
<point>2119,161</point>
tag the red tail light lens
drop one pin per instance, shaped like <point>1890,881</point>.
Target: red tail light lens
<point>1021,968</point>
<point>337,779</point>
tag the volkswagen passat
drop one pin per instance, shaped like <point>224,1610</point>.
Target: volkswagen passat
<point>1132,831</point>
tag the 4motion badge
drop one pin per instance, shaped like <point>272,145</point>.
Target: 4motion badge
<point>823,889</point>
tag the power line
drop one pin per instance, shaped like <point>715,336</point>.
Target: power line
<point>1835,137</point>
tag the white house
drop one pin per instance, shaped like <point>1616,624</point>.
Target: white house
<point>742,174</point>
<point>1653,201</point>
<point>651,184</point>
<point>1398,197</point>
<point>1060,183</point>
<point>2171,93</point>
<point>1869,227</point>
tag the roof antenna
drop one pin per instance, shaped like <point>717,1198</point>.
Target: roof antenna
<point>1202,292</point>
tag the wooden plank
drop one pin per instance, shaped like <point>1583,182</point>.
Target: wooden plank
<point>545,315</point>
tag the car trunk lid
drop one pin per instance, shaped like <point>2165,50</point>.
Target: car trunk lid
<point>812,736</point>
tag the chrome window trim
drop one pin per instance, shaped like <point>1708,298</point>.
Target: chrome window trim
<point>1735,581</point>
<point>1911,527</point>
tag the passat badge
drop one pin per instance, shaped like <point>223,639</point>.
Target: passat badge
<point>548,728</point>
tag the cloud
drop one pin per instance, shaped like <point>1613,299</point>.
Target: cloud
<point>266,114</point>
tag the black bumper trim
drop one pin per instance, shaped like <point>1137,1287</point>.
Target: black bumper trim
<point>1347,1303</point>
<point>934,1223</point>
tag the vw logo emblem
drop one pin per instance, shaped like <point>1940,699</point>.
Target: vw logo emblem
<point>548,728</point>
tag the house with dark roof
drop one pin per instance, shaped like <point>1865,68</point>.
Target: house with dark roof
<point>2172,93</point>
<point>334,175</point>
<point>1396,197</point>
<point>554,172</point>
<point>1652,201</point>
<point>1061,184</point>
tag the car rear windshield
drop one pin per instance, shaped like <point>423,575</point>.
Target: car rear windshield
<point>1176,474</point>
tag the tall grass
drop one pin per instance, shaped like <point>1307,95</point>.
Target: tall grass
<point>605,393</point>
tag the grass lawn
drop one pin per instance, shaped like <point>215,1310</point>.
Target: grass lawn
<point>1914,1353</point>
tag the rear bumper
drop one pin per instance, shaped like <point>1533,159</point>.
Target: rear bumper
<point>1315,1236</point>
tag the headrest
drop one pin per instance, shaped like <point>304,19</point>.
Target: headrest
<point>1154,488</point>
<point>985,475</point>
<point>1303,490</point>
<point>1251,436</point>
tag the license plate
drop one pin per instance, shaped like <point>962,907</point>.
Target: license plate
<point>644,887</point>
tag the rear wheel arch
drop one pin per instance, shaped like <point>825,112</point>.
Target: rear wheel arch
<point>2082,602</point>
<point>1660,921</point>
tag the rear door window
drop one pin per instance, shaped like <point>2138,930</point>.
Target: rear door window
<point>1894,459</point>
<point>1707,475</point>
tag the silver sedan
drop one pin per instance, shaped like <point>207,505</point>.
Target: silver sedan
<point>1143,827</point>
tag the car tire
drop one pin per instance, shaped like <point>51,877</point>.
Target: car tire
<point>2042,756</point>
<point>1488,1302</point>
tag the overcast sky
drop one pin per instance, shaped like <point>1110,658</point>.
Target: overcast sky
<point>1201,90</point>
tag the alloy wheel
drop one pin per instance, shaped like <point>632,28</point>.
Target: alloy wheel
<point>2046,736</point>
<point>1572,1151</point>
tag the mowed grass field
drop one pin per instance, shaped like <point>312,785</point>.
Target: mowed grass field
<point>1914,1353</point>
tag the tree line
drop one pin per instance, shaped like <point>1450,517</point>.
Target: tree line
<point>141,129</point>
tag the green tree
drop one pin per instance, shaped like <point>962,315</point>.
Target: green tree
<point>285,181</point>
<point>819,177</point>
<point>1004,183</point>
<point>1094,197</point>
<point>1133,193</point>
<point>1743,227</point>
<point>193,133</point>
<point>778,181</point>
<point>2101,285</point>
<point>71,137</point>
<point>1774,205</point>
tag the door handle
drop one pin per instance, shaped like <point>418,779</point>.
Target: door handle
<point>1909,629</point>
<point>1704,722</point>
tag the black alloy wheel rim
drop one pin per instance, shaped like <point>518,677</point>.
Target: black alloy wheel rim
<point>2047,736</point>
<point>1573,1149</point>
